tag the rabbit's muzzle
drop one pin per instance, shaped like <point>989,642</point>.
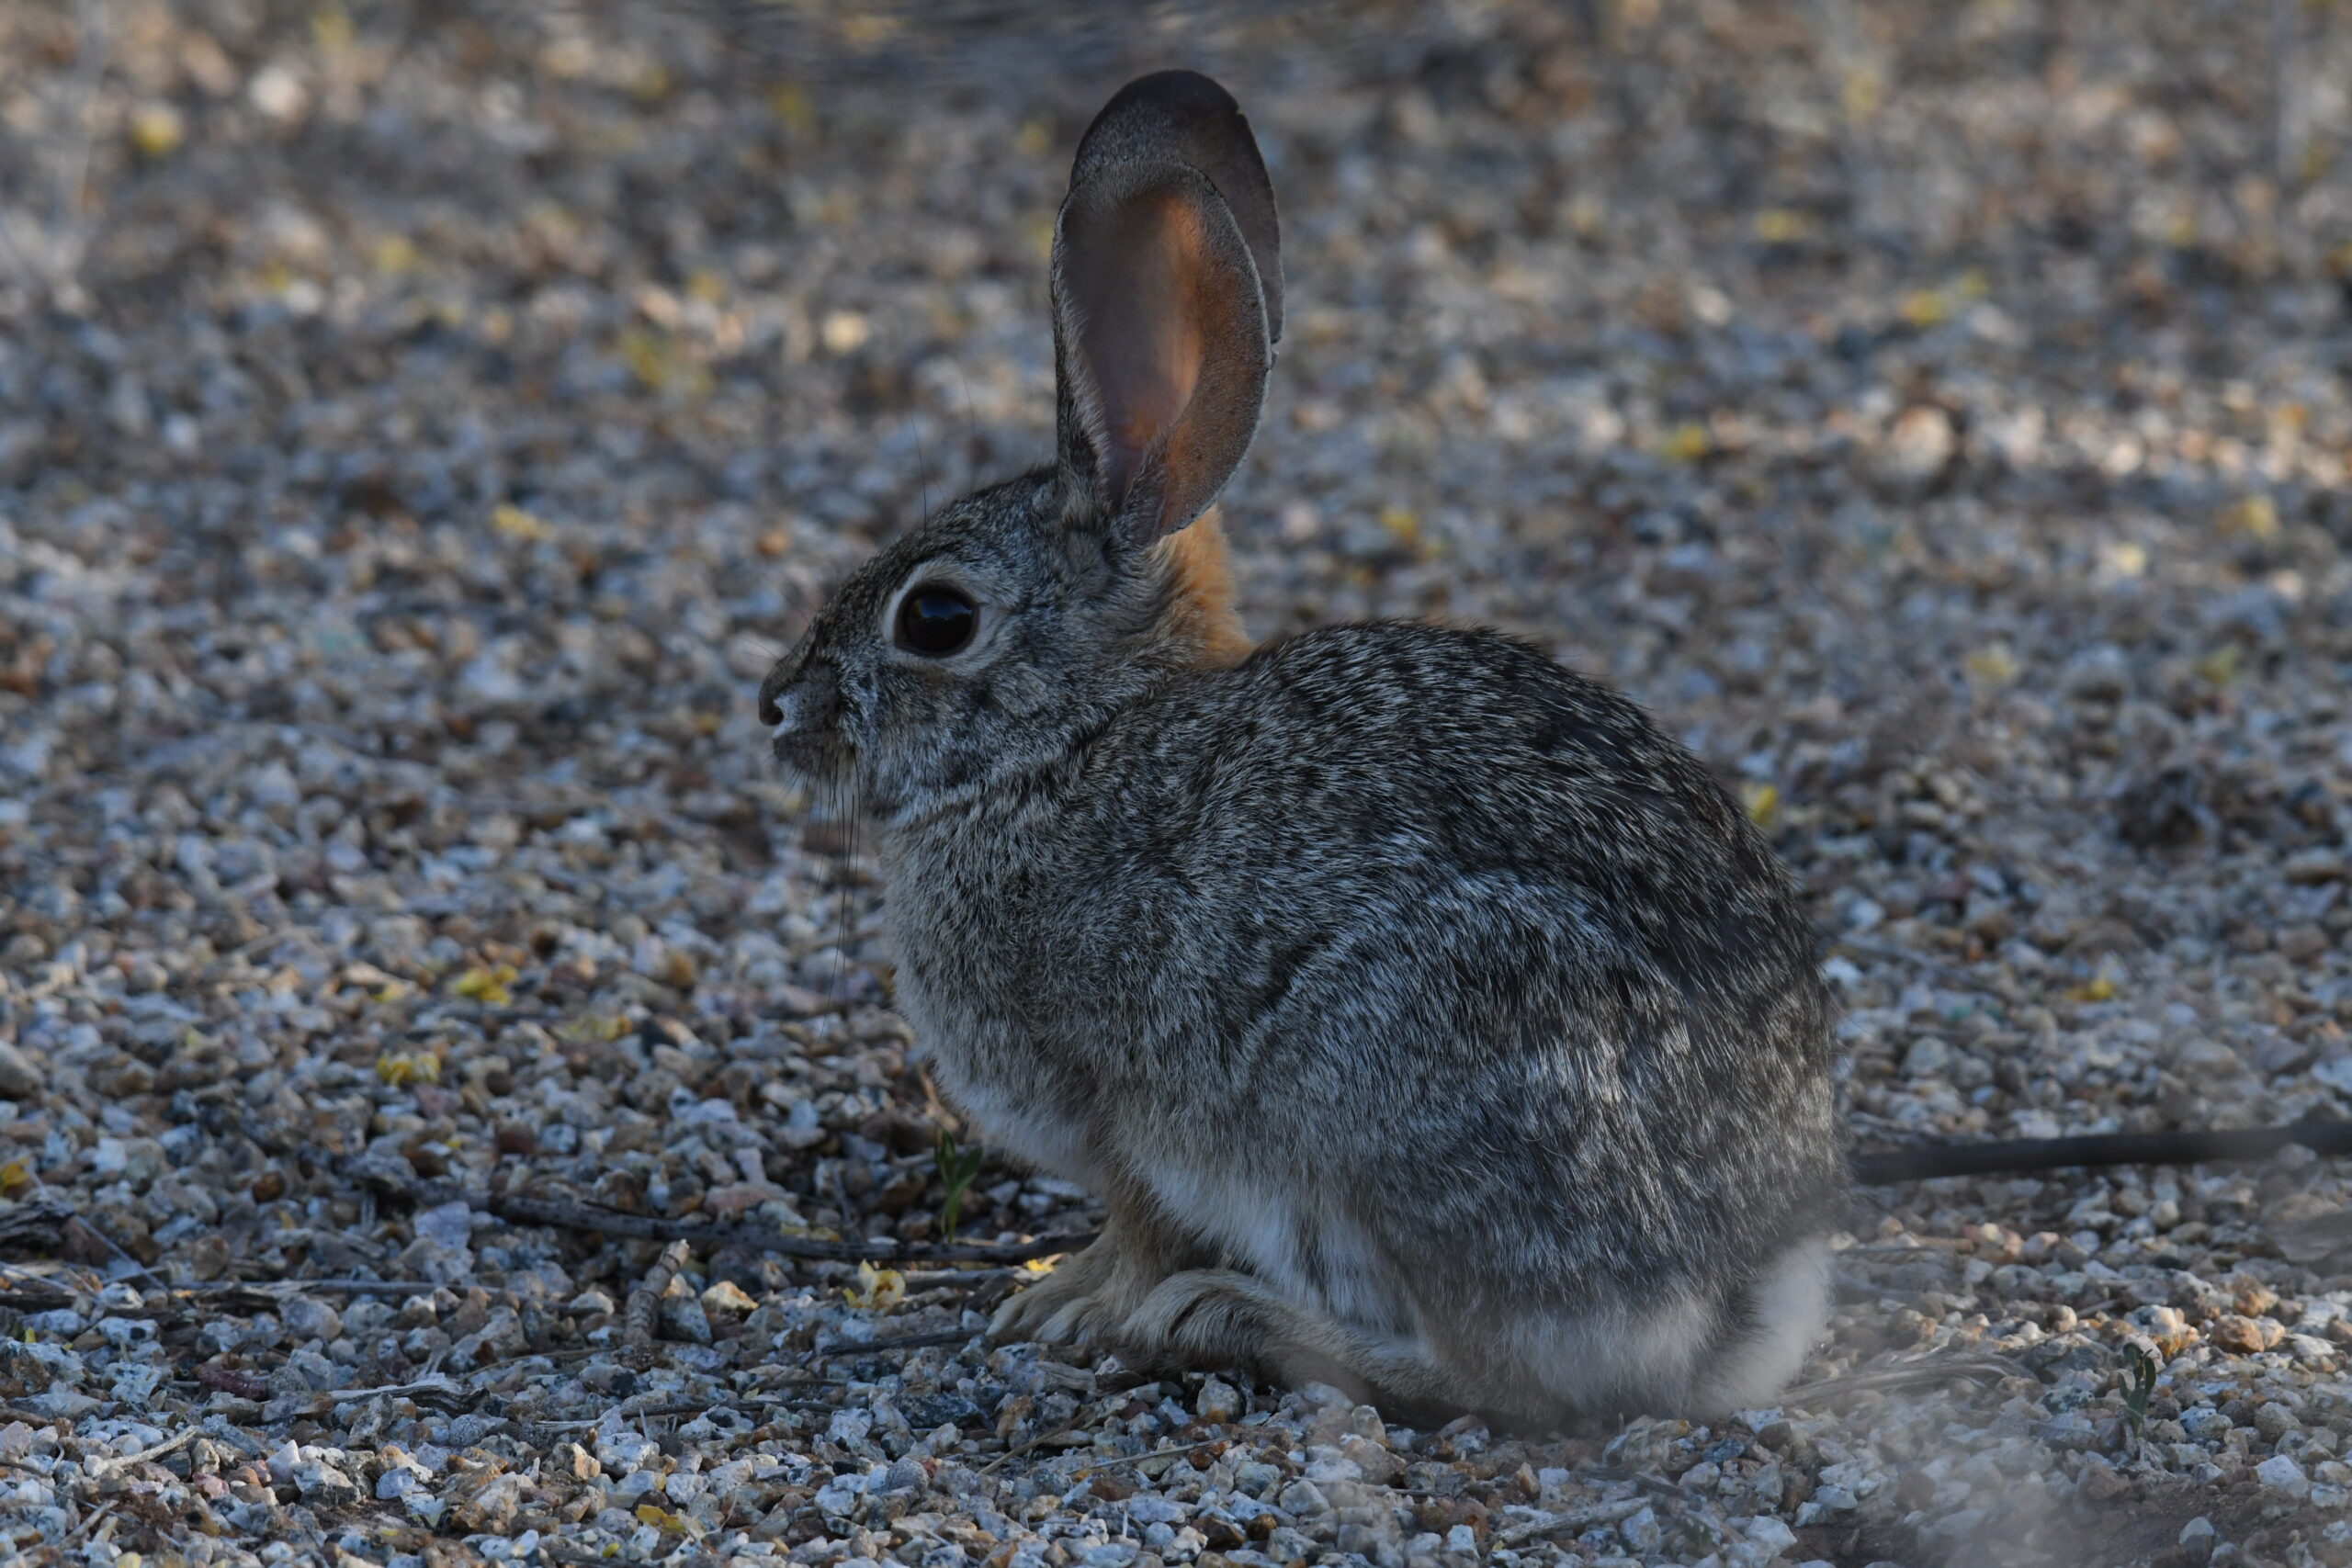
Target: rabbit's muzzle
<point>800,702</point>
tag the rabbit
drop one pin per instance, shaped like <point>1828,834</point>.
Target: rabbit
<point>1429,1024</point>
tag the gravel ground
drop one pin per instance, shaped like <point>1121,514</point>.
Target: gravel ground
<point>420,427</point>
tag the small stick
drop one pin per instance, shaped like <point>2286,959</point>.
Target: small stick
<point>650,1227</point>
<point>645,1302</point>
<point>905,1342</point>
<point>170,1445</point>
<point>1931,1162</point>
<point>88,1519</point>
<point>1015,1453</point>
<point>965,1279</point>
<point>442,1386</point>
<point>297,1287</point>
<point>1156,1453</point>
<point>1936,1368</point>
<point>1575,1519</point>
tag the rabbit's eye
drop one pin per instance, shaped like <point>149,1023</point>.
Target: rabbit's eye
<point>936,622</point>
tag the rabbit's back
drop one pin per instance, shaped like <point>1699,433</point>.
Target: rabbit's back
<point>1395,952</point>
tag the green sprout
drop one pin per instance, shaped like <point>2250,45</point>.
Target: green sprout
<point>957,1166</point>
<point>2140,1385</point>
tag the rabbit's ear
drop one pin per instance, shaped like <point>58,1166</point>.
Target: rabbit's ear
<point>1167,301</point>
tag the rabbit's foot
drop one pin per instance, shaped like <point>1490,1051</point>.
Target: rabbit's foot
<point>1083,1301</point>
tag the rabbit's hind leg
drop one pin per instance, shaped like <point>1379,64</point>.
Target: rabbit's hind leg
<point>1223,1318</point>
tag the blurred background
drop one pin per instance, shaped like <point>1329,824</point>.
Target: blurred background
<point>421,424</point>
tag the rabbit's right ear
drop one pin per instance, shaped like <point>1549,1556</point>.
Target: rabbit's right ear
<point>1167,286</point>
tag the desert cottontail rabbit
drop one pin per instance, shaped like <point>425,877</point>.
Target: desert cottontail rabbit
<point>1428,1022</point>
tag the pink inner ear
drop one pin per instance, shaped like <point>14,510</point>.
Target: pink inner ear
<point>1143,333</point>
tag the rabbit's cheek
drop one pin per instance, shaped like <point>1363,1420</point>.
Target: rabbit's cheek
<point>1022,692</point>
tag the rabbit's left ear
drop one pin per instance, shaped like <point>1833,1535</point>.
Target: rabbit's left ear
<point>1166,288</point>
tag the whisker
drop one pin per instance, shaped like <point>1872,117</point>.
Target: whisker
<point>844,869</point>
<point>971,421</point>
<point>923,467</point>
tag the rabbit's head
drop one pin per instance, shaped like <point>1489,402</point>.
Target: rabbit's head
<point>982,643</point>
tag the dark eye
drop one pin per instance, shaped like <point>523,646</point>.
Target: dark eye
<point>936,622</point>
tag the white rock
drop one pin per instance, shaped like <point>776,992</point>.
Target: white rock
<point>1218,1400</point>
<point>450,1225</point>
<point>2280,1474</point>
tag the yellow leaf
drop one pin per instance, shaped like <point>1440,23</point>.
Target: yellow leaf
<point>400,1069</point>
<point>1763,803</point>
<point>1687,443</point>
<point>1401,524</point>
<point>2125,557</point>
<point>13,1178</point>
<point>658,362</point>
<point>650,85</point>
<point>1992,665</point>
<point>790,104</point>
<point>2103,986</point>
<point>521,524</point>
<point>1863,92</point>
<point>878,1289</point>
<point>156,131</point>
<point>1035,139</point>
<point>644,354</point>
<point>330,28</point>
<point>1923,307</point>
<point>2220,666</point>
<point>395,256</point>
<point>486,985</point>
<point>663,1518</point>
<point>1781,226</point>
<point>592,1029</point>
<point>2256,517</point>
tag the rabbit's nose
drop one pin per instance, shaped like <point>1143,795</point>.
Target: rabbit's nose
<point>780,676</point>
<point>800,695</point>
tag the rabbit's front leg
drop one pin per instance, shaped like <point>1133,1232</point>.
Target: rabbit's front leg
<point>1089,1299</point>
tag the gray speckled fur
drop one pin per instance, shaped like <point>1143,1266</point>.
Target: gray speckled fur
<point>1430,1023</point>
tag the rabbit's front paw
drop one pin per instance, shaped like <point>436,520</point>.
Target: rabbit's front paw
<point>1079,1303</point>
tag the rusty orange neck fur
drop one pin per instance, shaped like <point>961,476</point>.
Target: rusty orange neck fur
<point>1201,618</point>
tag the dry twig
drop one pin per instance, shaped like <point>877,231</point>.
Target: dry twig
<point>645,1302</point>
